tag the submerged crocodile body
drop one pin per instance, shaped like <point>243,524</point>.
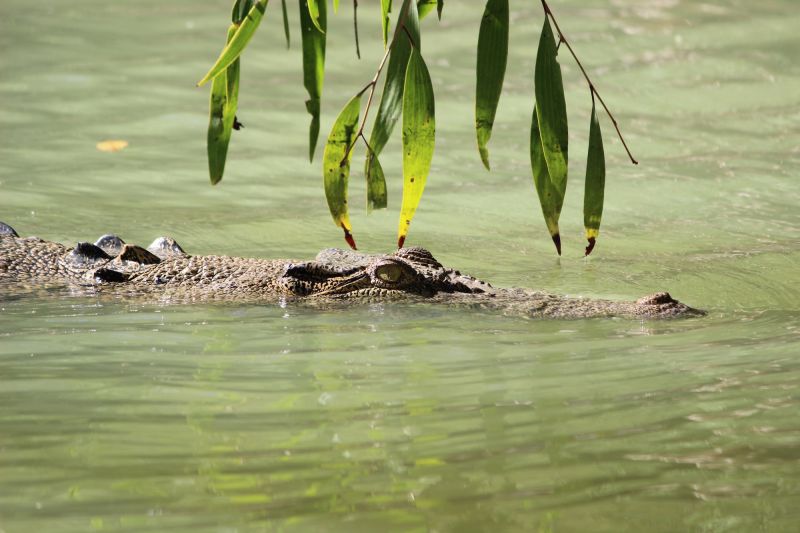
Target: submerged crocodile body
<point>164,272</point>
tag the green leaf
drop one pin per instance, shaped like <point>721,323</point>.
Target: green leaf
<point>316,10</point>
<point>595,182</point>
<point>386,7</point>
<point>376,184</point>
<point>335,6</point>
<point>222,112</point>
<point>439,7</point>
<point>286,23</point>
<point>390,106</point>
<point>313,66</point>
<point>552,108</point>
<point>491,69</point>
<point>550,198</point>
<point>419,136</point>
<point>336,168</point>
<point>240,9</point>
<point>549,134</point>
<point>424,7</point>
<point>239,41</point>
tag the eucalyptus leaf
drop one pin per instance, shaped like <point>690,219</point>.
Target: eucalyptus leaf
<point>376,184</point>
<point>386,7</point>
<point>240,9</point>
<point>316,9</point>
<point>336,168</point>
<point>549,135</point>
<point>419,137</point>
<point>390,106</point>
<point>552,108</point>
<point>490,71</point>
<point>286,23</point>
<point>595,183</point>
<point>239,41</point>
<point>222,114</point>
<point>313,65</point>
<point>424,7</point>
<point>550,198</point>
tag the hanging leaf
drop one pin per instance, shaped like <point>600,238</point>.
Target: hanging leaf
<point>335,6</point>
<point>285,23</point>
<point>552,108</point>
<point>419,135</point>
<point>336,169</point>
<point>439,7</point>
<point>551,113</point>
<point>550,198</point>
<point>316,11</point>
<point>240,9</point>
<point>595,182</point>
<point>313,64</point>
<point>390,106</point>
<point>424,7</point>
<point>386,7</point>
<point>222,115</point>
<point>376,184</point>
<point>491,69</point>
<point>239,41</point>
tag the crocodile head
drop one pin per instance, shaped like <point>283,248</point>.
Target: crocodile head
<point>342,273</point>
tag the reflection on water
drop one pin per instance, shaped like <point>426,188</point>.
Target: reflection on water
<point>115,415</point>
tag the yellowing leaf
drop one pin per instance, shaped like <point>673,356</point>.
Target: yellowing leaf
<point>336,168</point>
<point>419,136</point>
<point>112,145</point>
<point>390,106</point>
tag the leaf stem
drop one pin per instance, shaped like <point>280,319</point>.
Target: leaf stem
<point>373,83</point>
<point>562,39</point>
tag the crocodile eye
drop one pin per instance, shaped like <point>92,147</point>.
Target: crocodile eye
<point>390,273</point>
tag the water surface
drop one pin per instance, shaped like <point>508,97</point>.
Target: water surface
<point>125,416</point>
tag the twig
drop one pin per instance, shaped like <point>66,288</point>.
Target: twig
<point>401,24</point>
<point>562,39</point>
<point>355,26</point>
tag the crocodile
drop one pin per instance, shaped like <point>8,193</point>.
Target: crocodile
<point>165,273</point>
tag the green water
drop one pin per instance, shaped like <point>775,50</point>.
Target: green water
<point>121,416</point>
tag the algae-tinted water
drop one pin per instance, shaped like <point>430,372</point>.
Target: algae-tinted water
<point>120,416</point>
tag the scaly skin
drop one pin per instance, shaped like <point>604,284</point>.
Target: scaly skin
<point>165,273</point>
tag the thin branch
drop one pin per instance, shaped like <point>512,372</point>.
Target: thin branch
<point>355,26</point>
<point>562,39</point>
<point>401,21</point>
